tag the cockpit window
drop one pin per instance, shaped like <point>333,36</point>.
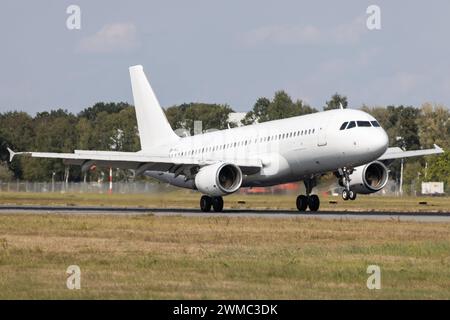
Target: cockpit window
<point>352,124</point>
<point>363,123</point>
<point>375,123</point>
<point>343,126</point>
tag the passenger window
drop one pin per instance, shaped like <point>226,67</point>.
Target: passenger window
<point>343,126</point>
<point>375,123</point>
<point>352,124</point>
<point>363,123</point>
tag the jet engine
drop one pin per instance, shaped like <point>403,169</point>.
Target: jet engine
<point>369,178</point>
<point>219,179</point>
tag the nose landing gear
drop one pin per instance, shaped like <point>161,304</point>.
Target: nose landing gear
<point>344,181</point>
<point>348,195</point>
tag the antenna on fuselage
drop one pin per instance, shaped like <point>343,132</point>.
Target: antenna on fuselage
<point>341,106</point>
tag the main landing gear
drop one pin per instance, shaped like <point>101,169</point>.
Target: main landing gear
<point>344,181</point>
<point>206,202</point>
<point>310,201</point>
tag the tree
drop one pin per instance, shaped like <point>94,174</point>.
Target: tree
<point>280,107</point>
<point>123,131</point>
<point>439,170</point>
<point>335,102</point>
<point>54,131</point>
<point>434,125</point>
<point>260,112</point>
<point>5,173</point>
<point>212,116</point>
<point>408,128</point>
<point>400,123</point>
<point>17,133</point>
<point>85,138</point>
<point>434,128</point>
<point>111,107</point>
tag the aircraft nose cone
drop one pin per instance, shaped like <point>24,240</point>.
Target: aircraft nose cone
<point>380,142</point>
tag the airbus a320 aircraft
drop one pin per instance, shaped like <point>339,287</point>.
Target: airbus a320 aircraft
<point>349,143</point>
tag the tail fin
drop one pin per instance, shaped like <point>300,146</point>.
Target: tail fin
<point>154,129</point>
<point>11,154</point>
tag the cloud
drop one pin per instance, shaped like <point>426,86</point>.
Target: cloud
<point>283,34</point>
<point>347,33</point>
<point>118,37</point>
<point>407,82</point>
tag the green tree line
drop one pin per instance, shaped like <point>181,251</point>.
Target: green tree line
<point>112,126</point>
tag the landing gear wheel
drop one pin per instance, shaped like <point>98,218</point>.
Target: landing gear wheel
<point>302,202</point>
<point>205,203</point>
<point>313,202</point>
<point>352,195</point>
<point>345,194</point>
<point>217,203</point>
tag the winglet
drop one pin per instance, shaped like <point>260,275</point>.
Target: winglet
<point>11,154</point>
<point>438,148</point>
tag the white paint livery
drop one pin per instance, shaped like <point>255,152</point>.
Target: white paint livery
<point>274,152</point>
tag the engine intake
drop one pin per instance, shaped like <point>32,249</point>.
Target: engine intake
<point>219,179</point>
<point>369,178</point>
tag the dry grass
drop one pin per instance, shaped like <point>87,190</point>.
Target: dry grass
<point>188,199</point>
<point>220,257</point>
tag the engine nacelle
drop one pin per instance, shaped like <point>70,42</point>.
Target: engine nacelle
<point>219,179</point>
<point>369,178</point>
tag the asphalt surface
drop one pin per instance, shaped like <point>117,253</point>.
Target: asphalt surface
<point>395,216</point>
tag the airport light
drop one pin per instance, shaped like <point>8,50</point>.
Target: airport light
<point>402,146</point>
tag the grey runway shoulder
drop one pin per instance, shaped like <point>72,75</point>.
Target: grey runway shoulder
<point>333,215</point>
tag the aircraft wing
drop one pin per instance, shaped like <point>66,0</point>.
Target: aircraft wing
<point>398,153</point>
<point>135,160</point>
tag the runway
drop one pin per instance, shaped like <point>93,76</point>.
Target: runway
<point>333,215</point>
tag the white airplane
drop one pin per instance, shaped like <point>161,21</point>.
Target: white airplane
<point>348,142</point>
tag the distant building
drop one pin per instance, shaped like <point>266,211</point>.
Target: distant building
<point>236,117</point>
<point>433,188</point>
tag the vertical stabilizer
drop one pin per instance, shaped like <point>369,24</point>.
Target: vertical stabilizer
<point>154,129</point>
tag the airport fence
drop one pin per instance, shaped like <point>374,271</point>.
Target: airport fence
<point>136,187</point>
<point>83,187</point>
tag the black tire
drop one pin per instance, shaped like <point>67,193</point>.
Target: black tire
<point>205,203</point>
<point>345,195</point>
<point>352,195</point>
<point>313,202</point>
<point>302,203</point>
<point>217,203</point>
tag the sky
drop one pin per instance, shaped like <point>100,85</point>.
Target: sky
<point>229,52</point>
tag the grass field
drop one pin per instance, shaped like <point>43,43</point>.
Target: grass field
<point>187,199</point>
<point>220,257</point>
